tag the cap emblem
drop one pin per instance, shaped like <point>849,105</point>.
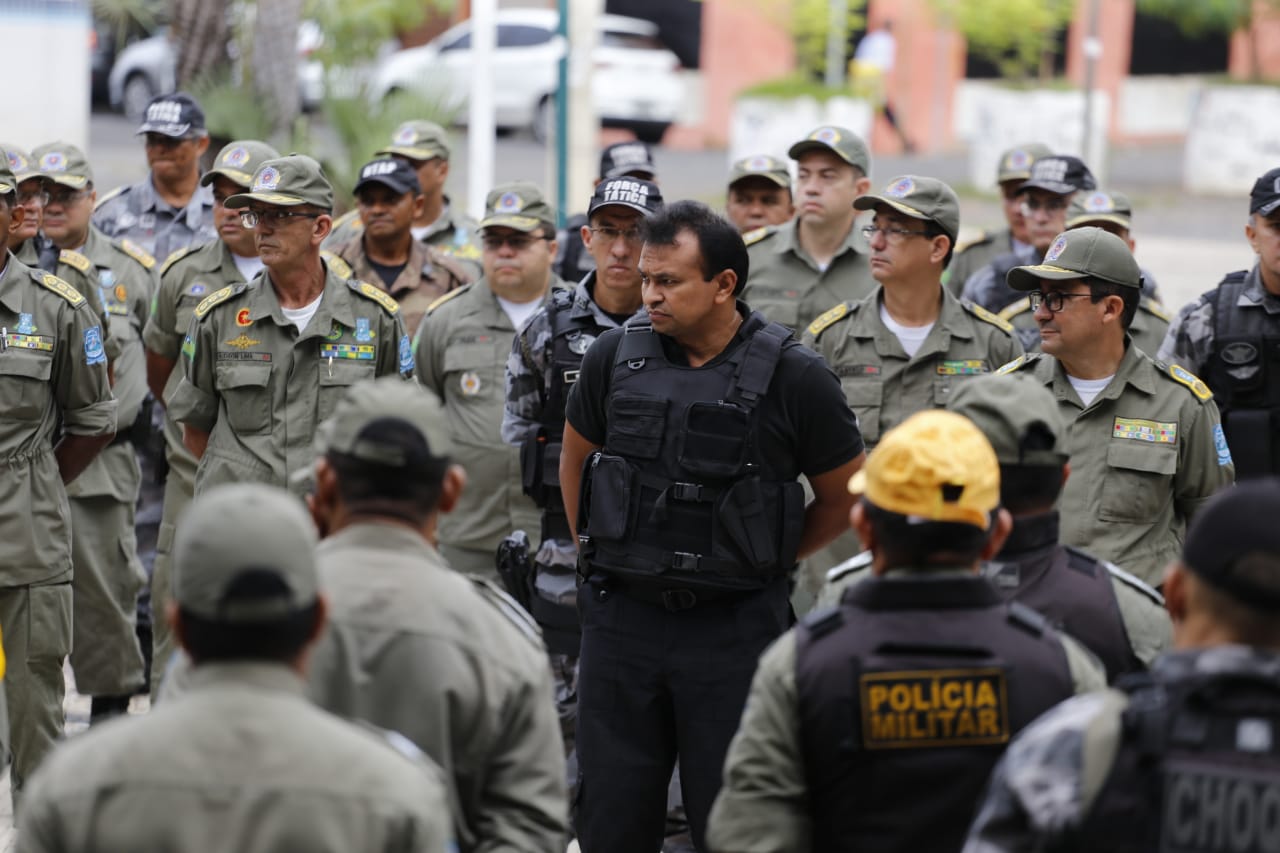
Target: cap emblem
<point>829,135</point>
<point>1099,203</point>
<point>508,202</point>
<point>405,136</point>
<point>267,179</point>
<point>236,157</point>
<point>1057,248</point>
<point>901,187</point>
<point>1017,159</point>
<point>16,161</point>
<point>760,163</point>
<point>54,161</point>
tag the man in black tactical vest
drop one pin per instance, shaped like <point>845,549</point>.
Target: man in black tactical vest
<point>684,438</point>
<point>911,686</point>
<point>1230,337</point>
<point>1185,757</point>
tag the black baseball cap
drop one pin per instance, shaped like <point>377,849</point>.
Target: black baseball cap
<point>627,158</point>
<point>396,175</point>
<point>1061,174</point>
<point>1234,540</point>
<point>631,193</point>
<point>1265,197</point>
<point>177,115</point>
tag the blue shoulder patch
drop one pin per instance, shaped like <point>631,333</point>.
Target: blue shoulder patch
<point>93,351</point>
<point>1220,445</point>
<point>406,355</point>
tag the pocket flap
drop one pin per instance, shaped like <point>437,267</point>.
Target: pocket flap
<point>863,392</point>
<point>470,357</point>
<point>242,375</point>
<point>346,374</point>
<point>30,366</point>
<point>1143,456</point>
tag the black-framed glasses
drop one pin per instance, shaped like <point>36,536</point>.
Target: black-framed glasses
<point>41,197</point>
<point>609,234</point>
<point>65,196</point>
<point>519,242</point>
<point>892,236</point>
<point>273,218</point>
<point>1052,205</point>
<point>1054,301</point>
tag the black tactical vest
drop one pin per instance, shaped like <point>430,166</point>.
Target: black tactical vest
<point>681,493</point>
<point>1068,587</point>
<point>1001,295</point>
<point>1246,342</point>
<point>908,694</point>
<point>1198,769</point>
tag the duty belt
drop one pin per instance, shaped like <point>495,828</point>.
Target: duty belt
<point>674,599</point>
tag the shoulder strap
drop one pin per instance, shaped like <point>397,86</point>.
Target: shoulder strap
<point>986,316</point>
<point>755,236</point>
<point>1231,286</point>
<point>368,291</point>
<point>106,198</point>
<point>217,298</point>
<point>639,344</point>
<point>174,257</point>
<point>60,287</point>
<point>755,370</point>
<point>452,294</point>
<point>75,259</point>
<point>828,318</point>
<point>138,253</point>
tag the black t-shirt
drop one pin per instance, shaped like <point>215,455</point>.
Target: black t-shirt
<point>804,410</point>
<point>388,274</point>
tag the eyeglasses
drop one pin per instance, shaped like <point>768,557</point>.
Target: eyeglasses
<point>70,197</point>
<point>1052,205</point>
<point>892,236</point>
<point>608,234</point>
<point>1054,301</point>
<point>519,242</point>
<point>273,218</point>
<point>39,196</point>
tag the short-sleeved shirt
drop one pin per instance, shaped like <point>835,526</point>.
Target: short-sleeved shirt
<point>136,212</point>
<point>785,283</point>
<point>454,233</point>
<point>426,276</point>
<point>53,369</point>
<point>804,410</point>
<point>974,255</point>
<point>260,387</point>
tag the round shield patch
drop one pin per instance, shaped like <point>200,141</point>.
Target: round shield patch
<point>121,293</point>
<point>760,163</point>
<point>901,187</point>
<point>508,202</point>
<point>53,161</point>
<point>1239,353</point>
<point>242,317</point>
<point>405,136</point>
<point>267,179</point>
<point>1017,159</point>
<point>1056,250</point>
<point>469,383</point>
<point>236,157</point>
<point>829,135</point>
<point>1099,203</point>
<point>580,344</point>
<point>16,161</point>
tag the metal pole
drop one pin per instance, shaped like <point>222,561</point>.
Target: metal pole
<point>481,126</point>
<point>560,136</point>
<point>583,127</point>
<point>1092,51</point>
<point>836,36</point>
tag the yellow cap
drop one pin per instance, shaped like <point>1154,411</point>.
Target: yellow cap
<point>935,466</point>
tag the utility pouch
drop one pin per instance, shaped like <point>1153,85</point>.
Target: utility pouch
<point>764,522</point>
<point>636,425</point>
<point>607,497</point>
<point>531,479</point>
<point>714,440</point>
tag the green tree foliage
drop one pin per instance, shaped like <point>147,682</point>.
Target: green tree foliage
<point>810,25</point>
<point>1203,17</point>
<point>355,30</point>
<point>1012,34</point>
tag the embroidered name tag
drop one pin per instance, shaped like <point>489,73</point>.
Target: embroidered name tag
<point>1139,430</point>
<point>858,370</point>
<point>355,351</point>
<point>243,356</point>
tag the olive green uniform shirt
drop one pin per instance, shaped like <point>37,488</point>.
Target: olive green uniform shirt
<point>1145,455</point>
<point>763,805</point>
<point>53,369</point>
<point>455,666</point>
<point>241,761</point>
<point>786,285</point>
<point>462,349</point>
<point>973,256</point>
<point>260,387</point>
<point>454,233</point>
<point>428,275</point>
<point>1150,324</point>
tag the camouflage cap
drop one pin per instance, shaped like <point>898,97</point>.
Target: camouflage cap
<point>21,163</point>
<point>239,533</point>
<point>288,182</point>
<point>920,198</point>
<point>1233,543</point>
<point>934,466</point>
<point>846,145</point>
<point>1016,163</point>
<point>1018,415</point>
<point>519,205</point>
<point>417,140</point>
<point>1100,206</point>
<point>63,163</point>
<point>1086,252</point>
<point>389,422</point>
<point>8,183</point>
<point>761,166</point>
<point>237,161</point>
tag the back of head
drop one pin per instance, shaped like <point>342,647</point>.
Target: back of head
<point>719,242</point>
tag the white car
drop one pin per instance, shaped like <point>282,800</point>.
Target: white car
<point>635,81</point>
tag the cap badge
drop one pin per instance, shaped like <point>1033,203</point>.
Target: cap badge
<point>405,136</point>
<point>53,162</point>
<point>1017,159</point>
<point>829,135</point>
<point>16,161</point>
<point>760,163</point>
<point>1057,248</point>
<point>1099,203</point>
<point>508,202</point>
<point>236,157</point>
<point>901,187</point>
<point>268,179</point>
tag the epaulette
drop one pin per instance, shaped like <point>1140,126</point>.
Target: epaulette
<point>1156,309</point>
<point>450,295</point>
<point>1018,363</point>
<point>1012,310</point>
<point>106,198</point>
<point>174,257</point>
<point>60,287</point>
<point>337,265</point>
<point>345,218</point>
<point>464,251</point>
<point>755,235</point>
<point>217,298</point>
<point>138,253</point>
<point>827,318</point>
<point>856,563</point>
<point>982,238</point>
<point>1134,582</point>
<point>75,259</point>
<point>1182,376</point>
<point>368,291</point>
<point>983,314</point>
<point>509,608</point>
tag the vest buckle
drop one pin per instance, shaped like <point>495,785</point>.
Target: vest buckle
<point>683,561</point>
<point>691,492</point>
<point>635,363</point>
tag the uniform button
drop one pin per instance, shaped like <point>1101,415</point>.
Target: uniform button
<point>602,594</point>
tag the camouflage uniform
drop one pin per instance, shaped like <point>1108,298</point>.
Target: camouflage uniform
<point>136,212</point>
<point>987,286</point>
<point>427,275</point>
<point>1190,337</point>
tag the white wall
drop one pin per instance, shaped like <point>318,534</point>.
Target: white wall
<point>46,51</point>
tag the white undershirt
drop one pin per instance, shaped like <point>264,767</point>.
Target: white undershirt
<point>420,231</point>
<point>911,337</point>
<point>519,312</point>
<point>1089,389</point>
<point>300,317</point>
<point>249,267</point>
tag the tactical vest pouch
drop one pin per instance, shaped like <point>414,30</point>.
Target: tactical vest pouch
<point>636,424</point>
<point>608,497</point>
<point>531,482</point>
<point>714,440</point>
<point>764,522</point>
<point>1249,435</point>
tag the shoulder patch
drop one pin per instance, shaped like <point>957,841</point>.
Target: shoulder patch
<point>757,234</point>
<point>138,253</point>
<point>1010,311</point>
<point>368,291</point>
<point>1135,583</point>
<point>827,318</point>
<point>986,316</point>
<point>174,257</point>
<point>1017,364</point>
<point>113,194</point>
<point>1156,309</point>
<point>60,287</point>
<point>509,608</point>
<point>450,295</point>
<point>1185,377</point>
<point>337,265</point>
<point>75,259</point>
<point>214,299</point>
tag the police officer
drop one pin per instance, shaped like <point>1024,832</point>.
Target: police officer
<point>620,160</point>
<point>187,278</point>
<point>759,193</point>
<point>921,674</point>
<point>384,252</point>
<point>462,349</point>
<point>424,147</point>
<point>909,344</point>
<point>105,655</point>
<point>818,259</point>
<point>1044,198</point>
<point>242,757</point>
<point>53,370</point>
<point>1112,212</point>
<point>448,661</point>
<point>266,362</point>
<point>1012,173</point>
<point>1145,441</point>
<point>1184,758</point>
<point>1228,336</point>
<point>684,436</point>
<point>33,194</point>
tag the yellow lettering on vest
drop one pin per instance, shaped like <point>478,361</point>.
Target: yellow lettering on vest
<point>923,708</point>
